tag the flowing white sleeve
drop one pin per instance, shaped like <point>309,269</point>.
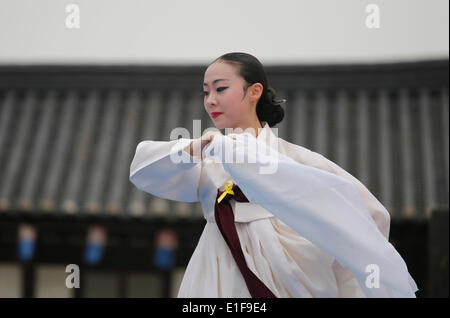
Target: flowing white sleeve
<point>164,169</point>
<point>347,284</point>
<point>325,208</point>
<point>377,211</point>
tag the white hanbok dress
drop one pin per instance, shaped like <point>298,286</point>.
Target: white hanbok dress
<point>310,229</point>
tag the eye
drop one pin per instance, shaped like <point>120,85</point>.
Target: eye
<point>219,89</point>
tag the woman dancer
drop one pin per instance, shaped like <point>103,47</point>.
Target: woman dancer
<point>283,222</point>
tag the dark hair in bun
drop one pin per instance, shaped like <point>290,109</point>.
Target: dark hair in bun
<point>250,68</point>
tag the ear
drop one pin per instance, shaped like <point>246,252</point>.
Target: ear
<point>255,91</point>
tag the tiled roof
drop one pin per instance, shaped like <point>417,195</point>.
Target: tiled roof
<point>68,133</point>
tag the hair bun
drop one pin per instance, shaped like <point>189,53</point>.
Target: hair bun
<point>271,93</point>
<point>269,108</point>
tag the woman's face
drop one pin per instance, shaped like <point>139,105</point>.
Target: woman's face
<point>224,97</point>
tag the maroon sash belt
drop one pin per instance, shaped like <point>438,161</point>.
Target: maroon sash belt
<point>224,216</point>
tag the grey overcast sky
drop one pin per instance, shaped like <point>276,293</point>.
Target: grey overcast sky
<point>197,31</point>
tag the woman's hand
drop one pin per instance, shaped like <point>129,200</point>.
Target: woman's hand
<point>201,143</point>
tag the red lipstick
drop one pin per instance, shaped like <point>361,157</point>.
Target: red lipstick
<point>216,114</point>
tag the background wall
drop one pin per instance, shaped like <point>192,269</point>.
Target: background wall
<point>197,31</point>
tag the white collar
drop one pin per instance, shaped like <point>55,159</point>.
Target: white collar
<point>266,135</point>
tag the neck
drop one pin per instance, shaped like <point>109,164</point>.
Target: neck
<point>250,127</point>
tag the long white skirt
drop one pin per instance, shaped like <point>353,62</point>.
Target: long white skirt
<point>287,263</point>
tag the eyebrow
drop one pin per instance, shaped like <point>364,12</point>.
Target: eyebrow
<point>215,81</point>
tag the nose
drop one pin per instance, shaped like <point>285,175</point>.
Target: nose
<point>210,99</point>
